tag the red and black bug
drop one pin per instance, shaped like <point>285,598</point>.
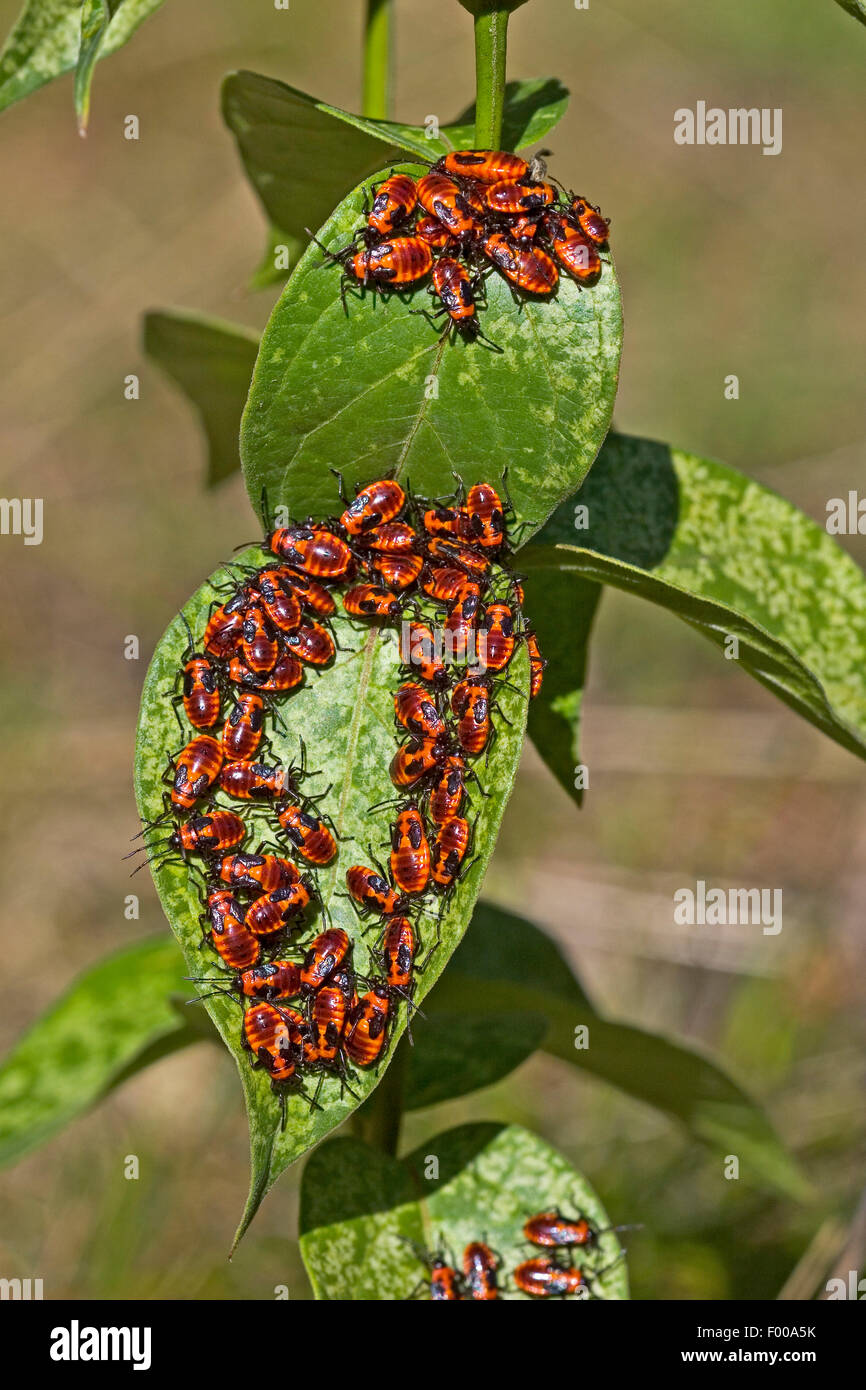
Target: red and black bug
<point>286,675</point>
<point>231,938</point>
<point>470,702</point>
<point>260,873</point>
<point>415,760</point>
<point>311,643</point>
<point>278,598</point>
<point>368,601</point>
<point>310,593</point>
<point>402,260</point>
<point>480,1267</point>
<point>398,948</point>
<point>417,712</point>
<point>222,634</point>
<point>447,790</point>
<point>273,979</point>
<point>372,893</point>
<point>545,1278</point>
<point>410,853</point>
<point>315,550</point>
<point>461,621</point>
<point>200,690</point>
<point>242,731</point>
<point>515,198</point>
<point>589,219</point>
<point>572,249</point>
<point>484,517</point>
<point>327,1023</point>
<point>210,834</point>
<point>445,200</point>
<point>449,851</point>
<point>247,780</point>
<point>367,1026</point>
<point>537,664</point>
<point>258,640</point>
<point>397,571</point>
<point>450,552</point>
<point>307,832</point>
<point>273,912</point>
<point>442,521</point>
<point>392,538</point>
<point>528,267</point>
<point>486,166</point>
<point>552,1229</point>
<point>276,1039</point>
<point>431,230</point>
<point>443,583</point>
<point>423,656</point>
<point>374,505</point>
<point>325,954</point>
<point>497,636</point>
<point>196,768</point>
<point>393,203</point>
<point>454,286</point>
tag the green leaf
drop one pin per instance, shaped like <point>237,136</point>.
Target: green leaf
<point>457,1053</point>
<point>52,37</point>
<point>302,155</point>
<point>373,389</point>
<point>505,964</point>
<point>359,1208</point>
<point>562,616</point>
<point>732,559</point>
<point>857,8</point>
<point>117,1018</point>
<point>346,718</point>
<point>212,362</point>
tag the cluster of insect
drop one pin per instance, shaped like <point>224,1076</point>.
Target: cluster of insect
<point>475,210</point>
<point>303,1013</point>
<point>551,1275</point>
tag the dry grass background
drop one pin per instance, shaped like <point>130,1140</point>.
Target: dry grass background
<point>730,262</point>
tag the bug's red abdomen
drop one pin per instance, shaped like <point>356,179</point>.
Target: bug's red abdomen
<point>367,1028</point>
<point>376,504</point>
<point>449,851</point>
<point>448,791</point>
<point>398,953</point>
<point>328,1016</point>
<point>242,730</point>
<point>487,166</point>
<point>268,1034</point>
<point>195,770</point>
<point>277,979</point>
<point>368,601</point>
<point>515,198</point>
<point>371,892</point>
<point>589,219</point>
<point>246,780</point>
<point>308,833</point>
<point>393,203</point>
<point>201,694</point>
<point>528,267</point>
<point>410,852</point>
<point>326,953</point>
<point>417,712</point>
<point>480,1271</point>
<point>443,199</point>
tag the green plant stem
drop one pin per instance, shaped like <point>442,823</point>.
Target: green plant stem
<point>378,33</point>
<point>378,1120</point>
<point>491,43</point>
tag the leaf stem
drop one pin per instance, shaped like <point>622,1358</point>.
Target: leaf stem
<point>491,43</point>
<point>378,1120</point>
<point>378,37</point>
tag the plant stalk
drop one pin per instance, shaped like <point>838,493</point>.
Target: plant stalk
<point>377,1121</point>
<point>378,38</point>
<point>491,42</point>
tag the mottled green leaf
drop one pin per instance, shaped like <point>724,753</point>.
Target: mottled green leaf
<point>855,7</point>
<point>506,964</point>
<point>732,559</point>
<point>212,362</point>
<point>361,1208</point>
<point>346,718</point>
<point>563,611</point>
<point>117,1018</point>
<point>54,36</point>
<point>302,155</point>
<point>374,389</point>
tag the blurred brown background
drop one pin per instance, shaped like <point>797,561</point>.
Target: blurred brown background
<point>731,262</point>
